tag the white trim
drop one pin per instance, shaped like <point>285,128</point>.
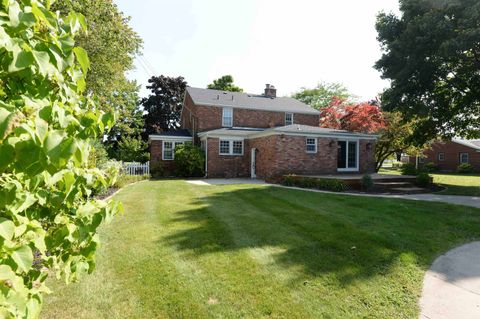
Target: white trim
<point>287,113</point>
<point>223,116</point>
<point>230,146</point>
<point>163,151</point>
<point>253,163</point>
<point>170,138</point>
<point>340,136</point>
<point>438,157</point>
<point>315,144</point>
<point>350,169</point>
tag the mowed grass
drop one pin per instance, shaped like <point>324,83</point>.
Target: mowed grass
<point>243,251</point>
<point>456,184</point>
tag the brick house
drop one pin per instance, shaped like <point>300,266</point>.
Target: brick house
<point>262,136</point>
<point>448,155</point>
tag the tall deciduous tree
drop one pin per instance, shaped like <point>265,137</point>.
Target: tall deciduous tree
<point>225,83</point>
<point>322,95</point>
<point>432,57</point>
<point>164,105</point>
<point>111,45</point>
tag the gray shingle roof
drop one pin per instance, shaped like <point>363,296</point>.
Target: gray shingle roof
<point>180,133</point>
<point>248,101</point>
<point>306,129</point>
<point>233,131</point>
<point>475,144</point>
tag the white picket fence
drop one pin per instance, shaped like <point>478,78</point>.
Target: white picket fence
<point>136,168</point>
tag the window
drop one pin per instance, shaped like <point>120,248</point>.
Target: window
<point>311,145</point>
<point>463,158</point>
<point>237,148</point>
<point>168,153</point>
<point>288,118</point>
<point>227,117</point>
<point>347,157</point>
<point>441,157</point>
<point>421,159</point>
<point>224,147</point>
<point>228,147</point>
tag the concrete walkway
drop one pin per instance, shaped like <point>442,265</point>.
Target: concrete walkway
<point>451,288</point>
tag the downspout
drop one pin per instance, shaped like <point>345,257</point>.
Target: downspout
<point>206,157</point>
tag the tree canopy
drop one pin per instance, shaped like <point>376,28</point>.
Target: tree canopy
<point>164,106</point>
<point>225,83</point>
<point>322,95</point>
<point>431,55</point>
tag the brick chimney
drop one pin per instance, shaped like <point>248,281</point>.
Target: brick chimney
<point>270,91</point>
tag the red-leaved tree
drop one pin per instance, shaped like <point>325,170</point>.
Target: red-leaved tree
<point>363,117</point>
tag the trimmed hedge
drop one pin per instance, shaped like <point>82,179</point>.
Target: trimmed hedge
<point>334,185</point>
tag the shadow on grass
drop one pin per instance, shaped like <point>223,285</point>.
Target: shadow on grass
<point>351,237</point>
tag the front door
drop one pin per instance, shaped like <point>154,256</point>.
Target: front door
<point>253,168</point>
<point>347,158</point>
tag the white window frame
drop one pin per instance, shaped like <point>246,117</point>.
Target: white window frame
<point>421,160</point>
<point>224,124</point>
<point>357,163</point>
<point>315,144</point>
<point>174,145</point>
<point>468,158</point>
<point>441,158</point>
<point>230,147</point>
<point>291,118</point>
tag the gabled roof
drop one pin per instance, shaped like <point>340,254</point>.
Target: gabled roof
<point>209,97</point>
<point>475,144</point>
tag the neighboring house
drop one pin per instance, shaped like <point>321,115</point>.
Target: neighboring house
<point>264,136</point>
<point>448,155</point>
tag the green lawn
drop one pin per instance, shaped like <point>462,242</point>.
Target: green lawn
<point>243,251</point>
<point>456,184</point>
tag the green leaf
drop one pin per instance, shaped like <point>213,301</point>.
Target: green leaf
<point>28,19</point>
<point>82,58</point>
<point>21,60</point>
<point>6,273</point>
<point>23,257</point>
<point>43,61</point>
<point>13,13</point>
<point>59,148</point>
<point>7,228</point>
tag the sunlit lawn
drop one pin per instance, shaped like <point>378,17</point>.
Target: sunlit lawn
<point>243,251</point>
<point>456,184</point>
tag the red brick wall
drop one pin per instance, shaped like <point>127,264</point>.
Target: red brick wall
<point>452,152</point>
<point>227,165</point>
<point>367,156</point>
<point>156,148</point>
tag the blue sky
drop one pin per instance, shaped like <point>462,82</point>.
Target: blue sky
<point>290,44</point>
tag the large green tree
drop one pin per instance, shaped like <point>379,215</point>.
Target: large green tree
<point>431,55</point>
<point>164,105</point>
<point>225,83</point>
<point>322,95</point>
<point>48,216</point>
<point>112,46</point>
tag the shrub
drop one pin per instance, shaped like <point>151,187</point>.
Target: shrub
<point>367,182</point>
<point>157,170</point>
<point>423,179</point>
<point>334,185</point>
<point>189,161</point>
<point>49,220</point>
<point>131,149</point>
<point>409,169</point>
<point>98,155</point>
<point>431,167</point>
<point>465,168</point>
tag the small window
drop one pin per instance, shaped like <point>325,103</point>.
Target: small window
<point>228,147</point>
<point>421,159</point>
<point>463,158</point>
<point>224,147</point>
<point>237,148</point>
<point>311,145</point>
<point>227,117</point>
<point>288,118</point>
<point>441,157</point>
<point>167,151</point>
